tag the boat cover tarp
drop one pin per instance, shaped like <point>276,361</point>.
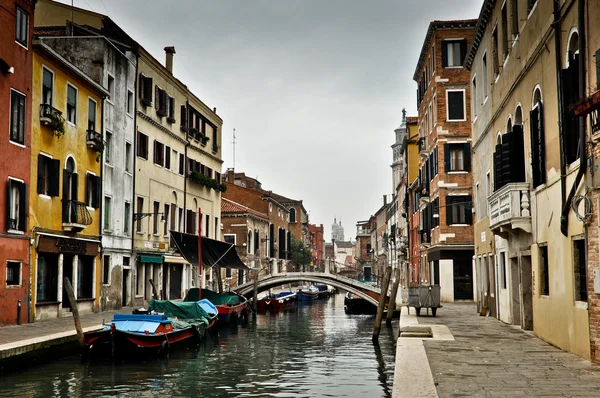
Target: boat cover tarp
<point>181,310</point>
<point>212,250</point>
<point>216,298</point>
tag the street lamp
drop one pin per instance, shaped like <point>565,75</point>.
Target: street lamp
<point>139,216</point>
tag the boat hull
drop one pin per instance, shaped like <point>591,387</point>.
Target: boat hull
<point>231,314</point>
<point>277,303</point>
<point>354,305</point>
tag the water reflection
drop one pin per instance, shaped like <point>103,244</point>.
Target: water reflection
<point>314,351</point>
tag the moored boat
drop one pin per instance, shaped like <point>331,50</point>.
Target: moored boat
<point>277,301</point>
<point>231,307</point>
<point>356,305</point>
<point>307,293</point>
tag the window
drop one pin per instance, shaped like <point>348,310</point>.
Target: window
<point>544,278</point>
<point>171,110</point>
<point>434,110</point>
<point>139,209</point>
<point>145,90</point>
<point>139,274</point>
<point>458,210</point>
<point>91,115</point>
<point>191,222</point>
<point>17,117</point>
<point>433,60</point>
<point>504,32</point>
<point>217,229</point>
<point>502,269</point>
<point>47,86</point>
<point>128,157</point>
<point>538,150</point>
<point>48,175</point>
<point>292,215</point>
<point>13,273</point>
<point>181,164</point>
<point>92,190</point>
<point>16,206</point>
<point>22,32</point>
<point>159,153</point>
<point>85,277</point>
<point>155,218</point>
<point>173,217</point>
<point>580,270</point>
<point>111,88</point>
<point>455,99</point>
<point>129,102</point>
<point>474,97</point>
<point>229,238</point>
<point>106,270</point>
<point>71,104</point>
<point>108,147</point>
<point>107,212</point>
<point>167,157</point>
<point>457,157</point>
<point>514,14</point>
<point>484,81</point>
<point>167,220</point>
<point>495,61</point>
<point>142,145</point>
<point>453,53</point>
<point>161,102</point>
<point>127,218</point>
<point>207,231</point>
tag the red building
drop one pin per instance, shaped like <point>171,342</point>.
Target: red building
<point>315,243</point>
<point>16,19</point>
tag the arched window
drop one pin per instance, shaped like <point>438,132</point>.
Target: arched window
<point>508,124</point>
<point>538,149</point>
<point>518,115</point>
<point>70,188</point>
<point>570,96</point>
<point>292,215</point>
<point>249,244</point>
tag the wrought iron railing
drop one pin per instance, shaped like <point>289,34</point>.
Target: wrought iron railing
<point>47,111</point>
<point>75,212</point>
<point>93,139</point>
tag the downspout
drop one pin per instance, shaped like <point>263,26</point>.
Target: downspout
<point>133,206</point>
<point>102,210</point>
<point>582,124</point>
<point>559,91</point>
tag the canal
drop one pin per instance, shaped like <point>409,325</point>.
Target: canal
<point>314,351</point>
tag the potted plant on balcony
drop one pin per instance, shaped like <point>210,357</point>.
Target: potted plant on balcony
<point>57,124</point>
<point>99,150</point>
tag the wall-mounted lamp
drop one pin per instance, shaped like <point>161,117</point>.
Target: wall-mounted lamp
<point>139,216</point>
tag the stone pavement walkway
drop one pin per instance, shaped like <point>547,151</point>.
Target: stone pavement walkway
<point>14,334</point>
<point>491,359</point>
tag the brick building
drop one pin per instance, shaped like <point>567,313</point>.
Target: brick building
<point>315,242</point>
<point>16,56</point>
<point>444,186</point>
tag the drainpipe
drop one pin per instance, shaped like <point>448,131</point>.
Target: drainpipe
<point>133,206</point>
<point>100,306</point>
<point>582,125</point>
<point>559,89</point>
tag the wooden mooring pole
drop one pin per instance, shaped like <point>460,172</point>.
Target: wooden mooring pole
<point>382,297</point>
<point>392,306</point>
<point>75,311</point>
<point>255,299</point>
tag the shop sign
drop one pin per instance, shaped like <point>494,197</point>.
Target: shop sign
<point>70,246</point>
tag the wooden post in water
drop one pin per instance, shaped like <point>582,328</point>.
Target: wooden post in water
<point>384,288</point>
<point>255,299</point>
<point>392,306</point>
<point>74,310</point>
<point>154,291</point>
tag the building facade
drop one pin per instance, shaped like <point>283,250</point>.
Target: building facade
<point>445,183</point>
<point>66,149</point>
<point>16,60</point>
<point>315,242</point>
<point>540,266</point>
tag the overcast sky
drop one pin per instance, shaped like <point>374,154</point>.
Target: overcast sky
<point>313,88</point>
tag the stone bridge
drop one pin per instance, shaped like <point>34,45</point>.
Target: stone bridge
<point>366,291</point>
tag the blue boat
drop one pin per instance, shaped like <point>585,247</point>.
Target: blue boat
<point>307,293</point>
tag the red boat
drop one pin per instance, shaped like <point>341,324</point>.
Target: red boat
<point>277,302</point>
<point>232,307</point>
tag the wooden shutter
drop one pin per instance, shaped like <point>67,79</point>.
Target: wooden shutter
<point>467,156</point>
<point>463,51</point>
<point>75,182</point>
<point>538,163</point>
<point>518,154</point>
<point>40,176</point>
<point>181,164</point>
<point>156,98</point>
<point>435,158</point>
<point>541,143</point>
<point>468,206</point>
<point>449,209</point>
<point>498,167</point>
<point>183,117</point>
<point>172,109</point>
<point>155,153</point>
<point>96,189</point>
<point>8,203</point>
<point>141,81</point>
<point>446,158</point>
<point>23,210</point>
<point>168,157</point>
<point>444,54</point>
<point>256,241</point>
<point>507,158</point>
<point>88,188</point>
<point>53,177</point>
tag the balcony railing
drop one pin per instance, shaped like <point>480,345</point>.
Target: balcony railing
<point>93,140</point>
<point>509,208</point>
<point>75,216</point>
<point>48,113</point>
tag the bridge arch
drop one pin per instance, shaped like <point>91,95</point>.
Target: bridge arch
<point>363,290</point>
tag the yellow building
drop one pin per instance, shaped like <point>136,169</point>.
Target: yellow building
<point>66,148</point>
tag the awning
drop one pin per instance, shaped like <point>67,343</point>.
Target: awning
<point>149,258</point>
<point>175,260</point>
<point>212,251</point>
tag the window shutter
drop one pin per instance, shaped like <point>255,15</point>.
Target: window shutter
<point>96,189</point>
<point>498,167</point>
<point>506,158</point>
<point>444,54</point>
<point>22,207</point>
<point>541,143</point>
<point>155,153</point>
<point>435,161</point>
<point>463,51</point>
<point>446,158</point>
<point>142,83</point>
<point>88,188</point>
<point>168,157</point>
<point>53,177</point>
<point>156,98</point>
<point>256,241</point>
<point>40,176</point>
<point>449,210</point>
<point>518,154</point>
<point>172,108</point>
<point>467,156</point>
<point>8,203</point>
<point>468,210</point>
<point>75,181</point>
<point>183,117</point>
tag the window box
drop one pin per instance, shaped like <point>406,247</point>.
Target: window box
<point>53,119</point>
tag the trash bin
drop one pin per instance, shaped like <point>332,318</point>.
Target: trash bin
<point>424,296</point>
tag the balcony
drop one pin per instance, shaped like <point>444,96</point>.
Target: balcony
<point>93,140</point>
<point>52,118</point>
<point>509,209</point>
<point>75,216</point>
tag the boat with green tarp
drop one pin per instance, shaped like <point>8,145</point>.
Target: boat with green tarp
<point>231,306</point>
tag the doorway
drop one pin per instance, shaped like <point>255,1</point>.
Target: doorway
<point>526,293</point>
<point>125,285</point>
<point>67,272</point>
<point>515,283</point>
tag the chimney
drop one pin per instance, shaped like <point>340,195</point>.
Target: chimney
<point>169,51</point>
<point>230,172</point>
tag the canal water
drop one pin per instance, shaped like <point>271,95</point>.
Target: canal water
<point>314,351</point>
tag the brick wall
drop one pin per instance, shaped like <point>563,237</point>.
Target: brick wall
<point>593,298</point>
